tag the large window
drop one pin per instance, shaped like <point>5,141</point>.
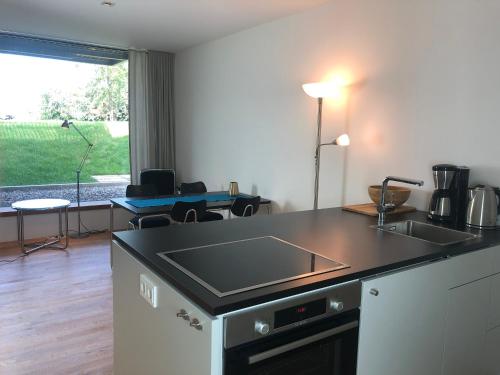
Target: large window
<point>38,158</point>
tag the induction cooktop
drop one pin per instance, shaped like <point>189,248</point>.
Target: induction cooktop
<point>238,266</point>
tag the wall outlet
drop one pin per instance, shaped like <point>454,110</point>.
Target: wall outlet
<point>148,291</point>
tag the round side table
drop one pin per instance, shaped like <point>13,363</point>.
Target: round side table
<point>41,205</point>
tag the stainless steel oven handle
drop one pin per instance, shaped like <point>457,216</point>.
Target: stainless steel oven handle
<point>299,343</point>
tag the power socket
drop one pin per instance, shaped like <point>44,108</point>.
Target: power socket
<point>148,290</point>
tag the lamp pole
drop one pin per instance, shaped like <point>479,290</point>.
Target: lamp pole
<point>320,90</point>
<point>66,124</point>
<point>317,155</point>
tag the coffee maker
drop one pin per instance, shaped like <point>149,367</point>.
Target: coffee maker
<point>449,200</point>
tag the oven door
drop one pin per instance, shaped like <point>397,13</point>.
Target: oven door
<point>328,347</point>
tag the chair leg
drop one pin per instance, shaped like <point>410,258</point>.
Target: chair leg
<point>245,210</point>
<point>191,211</point>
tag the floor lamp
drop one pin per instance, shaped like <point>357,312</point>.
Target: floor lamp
<point>66,124</point>
<point>320,90</point>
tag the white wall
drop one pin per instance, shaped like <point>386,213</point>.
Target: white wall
<point>427,90</point>
<point>37,226</point>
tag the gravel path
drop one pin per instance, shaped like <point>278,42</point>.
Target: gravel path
<point>88,192</point>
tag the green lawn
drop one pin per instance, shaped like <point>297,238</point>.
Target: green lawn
<point>37,153</point>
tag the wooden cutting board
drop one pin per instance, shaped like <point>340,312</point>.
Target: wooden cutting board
<point>370,209</point>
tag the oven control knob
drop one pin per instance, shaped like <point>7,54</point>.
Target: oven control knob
<point>261,327</point>
<point>336,305</point>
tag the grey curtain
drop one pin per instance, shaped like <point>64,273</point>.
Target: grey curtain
<point>138,113</point>
<point>161,120</point>
<point>151,107</point>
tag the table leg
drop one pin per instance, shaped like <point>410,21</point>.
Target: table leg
<point>111,224</point>
<point>60,224</point>
<point>111,221</point>
<point>66,227</point>
<point>18,227</point>
<point>21,230</point>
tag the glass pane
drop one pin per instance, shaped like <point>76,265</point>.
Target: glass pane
<point>38,157</point>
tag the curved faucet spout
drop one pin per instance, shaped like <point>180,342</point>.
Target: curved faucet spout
<point>383,207</point>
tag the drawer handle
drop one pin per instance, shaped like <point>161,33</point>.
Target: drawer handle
<point>374,292</point>
<point>195,323</point>
<point>183,314</point>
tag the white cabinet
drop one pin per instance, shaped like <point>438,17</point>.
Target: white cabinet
<point>495,254</point>
<point>466,325</point>
<point>402,327</point>
<point>440,318</point>
<point>492,351</point>
<point>472,339</point>
<point>150,341</point>
<point>494,315</point>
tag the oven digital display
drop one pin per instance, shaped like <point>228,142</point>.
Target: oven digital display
<point>301,312</point>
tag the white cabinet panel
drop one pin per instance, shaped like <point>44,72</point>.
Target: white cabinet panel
<point>472,266</point>
<point>402,328</point>
<point>150,340</point>
<point>466,323</point>
<point>494,314</point>
<point>493,352</point>
<point>496,258</point>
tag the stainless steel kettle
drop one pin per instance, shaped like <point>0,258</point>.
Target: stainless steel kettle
<point>483,206</point>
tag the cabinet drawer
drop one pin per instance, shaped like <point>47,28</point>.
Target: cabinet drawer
<point>472,266</point>
<point>494,320</point>
<point>496,258</point>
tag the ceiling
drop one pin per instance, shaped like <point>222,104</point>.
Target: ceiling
<point>166,25</point>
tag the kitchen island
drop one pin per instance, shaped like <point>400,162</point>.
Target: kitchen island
<point>391,268</point>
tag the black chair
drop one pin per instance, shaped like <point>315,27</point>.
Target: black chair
<point>243,207</point>
<point>200,188</point>
<point>141,191</point>
<point>188,212</point>
<point>147,221</point>
<point>193,188</point>
<point>163,179</point>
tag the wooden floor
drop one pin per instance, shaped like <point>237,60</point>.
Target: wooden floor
<point>56,310</point>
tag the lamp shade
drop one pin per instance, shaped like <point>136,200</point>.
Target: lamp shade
<point>342,140</point>
<point>322,89</point>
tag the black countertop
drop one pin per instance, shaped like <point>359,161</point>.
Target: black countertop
<point>339,235</point>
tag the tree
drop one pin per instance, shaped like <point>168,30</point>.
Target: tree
<point>104,98</point>
<point>107,94</point>
<point>55,106</point>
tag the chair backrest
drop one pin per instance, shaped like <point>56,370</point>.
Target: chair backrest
<point>245,206</point>
<point>188,212</point>
<point>193,187</point>
<point>163,179</point>
<point>141,191</point>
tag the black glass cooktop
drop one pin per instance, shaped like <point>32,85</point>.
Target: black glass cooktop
<point>234,267</point>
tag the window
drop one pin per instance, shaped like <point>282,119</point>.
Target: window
<point>41,87</point>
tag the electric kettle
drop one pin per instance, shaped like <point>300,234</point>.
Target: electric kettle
<point>483,206</point>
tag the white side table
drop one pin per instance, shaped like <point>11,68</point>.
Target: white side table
<point>40,205</point>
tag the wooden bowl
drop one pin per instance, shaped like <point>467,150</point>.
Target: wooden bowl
<point>396,195</point>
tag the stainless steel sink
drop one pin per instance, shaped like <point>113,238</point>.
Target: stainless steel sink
<point>427,232</point>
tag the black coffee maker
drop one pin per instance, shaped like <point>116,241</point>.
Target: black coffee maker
<point>449,200</point>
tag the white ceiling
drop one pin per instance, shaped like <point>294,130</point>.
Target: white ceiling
<point>167,25</point>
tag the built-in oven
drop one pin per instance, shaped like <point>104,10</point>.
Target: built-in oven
<point>315,333</point>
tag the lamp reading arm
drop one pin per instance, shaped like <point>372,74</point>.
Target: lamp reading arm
<point>85,156</point>
<point>81,134</point>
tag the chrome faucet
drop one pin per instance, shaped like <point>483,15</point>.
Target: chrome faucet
<point>383,207</point>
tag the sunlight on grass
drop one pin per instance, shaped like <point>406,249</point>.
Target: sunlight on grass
<point>41,152</point>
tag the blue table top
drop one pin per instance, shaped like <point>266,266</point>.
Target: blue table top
<point>169,201</point>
